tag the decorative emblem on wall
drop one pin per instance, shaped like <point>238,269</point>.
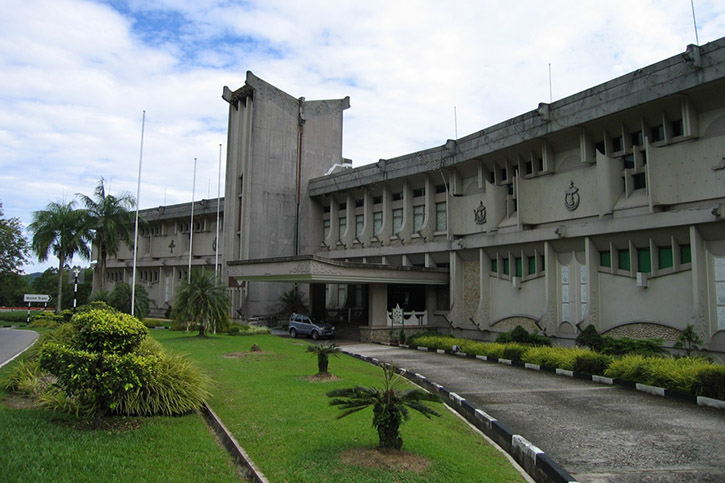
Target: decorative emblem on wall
<point>480,214</point>
<point>213,245</point>
<point>571,197</point>
<point>171,246</point>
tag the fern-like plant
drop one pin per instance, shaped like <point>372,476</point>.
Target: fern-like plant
<point>390,406</point>
<point>323,352</point>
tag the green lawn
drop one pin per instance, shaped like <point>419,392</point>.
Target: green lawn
<point>42,446</point>
<point>285,423</point>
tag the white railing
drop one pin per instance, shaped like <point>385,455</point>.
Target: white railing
<point>398,317</point>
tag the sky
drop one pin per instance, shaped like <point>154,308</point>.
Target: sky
<point>76,77</point>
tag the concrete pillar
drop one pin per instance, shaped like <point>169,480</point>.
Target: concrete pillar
<point>378,304</point>
<point>699,317</point>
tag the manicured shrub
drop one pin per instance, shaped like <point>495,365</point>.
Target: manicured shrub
<point>592,363</point>
<point>105,331</point>
<point>676,373</point>
<point>521,336</point>
<point>630,368</point>
<point>623,345</point>
<point>412,340</point>
<point>514,351</point>
<point>246,329</point>
<point>46,319</point>
<point>710,382</point>
<point>590,338</point>
<point>556,357</point>
<point>16,316</point>
<point>443,342</point>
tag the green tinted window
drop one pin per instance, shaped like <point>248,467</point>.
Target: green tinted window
<point>665,256</point>
<point>532,265</point>
<point>494,265</point>
<point>644,260</point>
<point>505,266</point>
<point>685,254</point>
<point>624,260</point>
<point>519,267</point>
<point>605,259</point>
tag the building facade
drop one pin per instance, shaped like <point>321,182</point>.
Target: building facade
<point>603,208</point>
<point>162,258</point>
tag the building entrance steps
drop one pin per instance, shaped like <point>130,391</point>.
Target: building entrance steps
<point>596,433</point>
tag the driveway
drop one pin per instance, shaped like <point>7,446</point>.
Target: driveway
<point>13,342</point>
<point>598,433</point>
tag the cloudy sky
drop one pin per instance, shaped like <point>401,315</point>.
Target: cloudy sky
<point>76,76</point>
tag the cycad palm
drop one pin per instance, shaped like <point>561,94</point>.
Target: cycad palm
<point>109,217</point>
<point>202,299</point>
<point>323,353</point>
<point>390,406</point>
<point>62,230</point>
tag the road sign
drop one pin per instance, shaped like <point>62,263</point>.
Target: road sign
<point>30,297</point>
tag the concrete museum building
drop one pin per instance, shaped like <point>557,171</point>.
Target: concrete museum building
<point>604,208</point>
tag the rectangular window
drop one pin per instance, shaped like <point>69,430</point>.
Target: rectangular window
<point>617,144</point>
<point>532,265</point>
<point>624,263</point>
<point>658,133</point>
<point>377,222</point>
<point>397,196</point>
<point>342,206</point>
<point>600,147</point>
<point>542,263</point>
<point>539,164</point>
<point>325,209</point>
<point>441,188</point>
<point>519,267</point>
<point>637,139</point>
<point>640,181</point>
<point>605,259</point>
<point>677,128</point>
<point>628,161</point>
<point>359,219</point>
<point>492,177</point>
<point>644,260</point>
<point>418,217</point>
<point>505,266</point>
<point>665,256</point>
<point>528,167</point>
<point>397,219</point>
<point>494,265</point>
<point>503,174</point>
<point>419,192</point>
<point>342,227</point>
<point>685,254</point>
<point>359,203</point>
<point>325,229</point>
<point>441,219</point>
<point>377,200</point>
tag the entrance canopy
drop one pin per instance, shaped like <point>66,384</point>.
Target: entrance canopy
<point>314,269</point>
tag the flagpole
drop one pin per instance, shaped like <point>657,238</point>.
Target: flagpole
<point>218,203</point>
<point>138,202</point>
<point>191,225</point>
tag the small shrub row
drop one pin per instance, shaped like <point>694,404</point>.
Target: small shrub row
<point>522,336</point>
<point>16,316</point>
<point>618,346</point>
<point>246,329</point>
<point>695,375</point>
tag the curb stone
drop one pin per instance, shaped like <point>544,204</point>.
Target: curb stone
<point>232,446</point>
<point>534,461</point>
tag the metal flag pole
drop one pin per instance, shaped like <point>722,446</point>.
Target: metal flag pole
<point>191,225</point>
<point>218,206</point>
<point>138,202</point>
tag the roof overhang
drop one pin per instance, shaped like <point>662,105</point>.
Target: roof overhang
<point>314,269</point>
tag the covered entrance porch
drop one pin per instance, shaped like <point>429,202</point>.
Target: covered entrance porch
<point>377,297</point>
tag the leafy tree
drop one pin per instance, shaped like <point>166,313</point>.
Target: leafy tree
<point>46,284</point>
<point>109,218</point>
<point>120,299</point>
<point>202,299</point>
<point>688,340</point>
<point>323,352</point>
<point>390,406</point>
<point>63,231</point>
<point>13,254</point>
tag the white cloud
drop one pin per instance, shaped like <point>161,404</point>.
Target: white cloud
<point>76,75</point>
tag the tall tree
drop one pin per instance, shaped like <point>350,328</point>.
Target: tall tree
<point>63,231</point>
<point>13,254</point>
<point>110,219</point>
<point>203,300</point>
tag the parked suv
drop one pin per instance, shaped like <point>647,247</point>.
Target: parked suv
<point>300,324</point>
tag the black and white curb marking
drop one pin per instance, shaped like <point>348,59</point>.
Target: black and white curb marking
<point>534,461</point>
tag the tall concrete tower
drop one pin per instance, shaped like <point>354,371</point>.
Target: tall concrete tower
<point>275,144</point>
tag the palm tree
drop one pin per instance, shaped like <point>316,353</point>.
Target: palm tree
<point>120,299</point>
<point>62,230</point>
<point>111,220</point>
<point>390,406</point>
<point>323,352</point>
<point>202,299</point>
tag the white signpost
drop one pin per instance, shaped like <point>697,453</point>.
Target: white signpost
<point>32,297</point>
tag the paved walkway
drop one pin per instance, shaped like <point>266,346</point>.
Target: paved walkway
<point>12,342</point>
<point>598,433</point>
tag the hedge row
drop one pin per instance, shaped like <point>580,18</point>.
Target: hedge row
<point>694,375</point>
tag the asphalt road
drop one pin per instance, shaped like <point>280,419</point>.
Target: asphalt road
<point>12,342</point>
<point>596,432</point>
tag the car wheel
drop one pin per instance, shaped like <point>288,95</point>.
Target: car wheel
<point>315,335</point>
<point>293,333</point>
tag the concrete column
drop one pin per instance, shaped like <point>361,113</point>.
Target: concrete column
<point>378,304</point>
<point>591,255</point>
<point>549,321</point>
<point>482,319</point>
<point>699,317</point>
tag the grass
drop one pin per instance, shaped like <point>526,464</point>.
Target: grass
<point>43,446</point>
<point>284,421</point>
